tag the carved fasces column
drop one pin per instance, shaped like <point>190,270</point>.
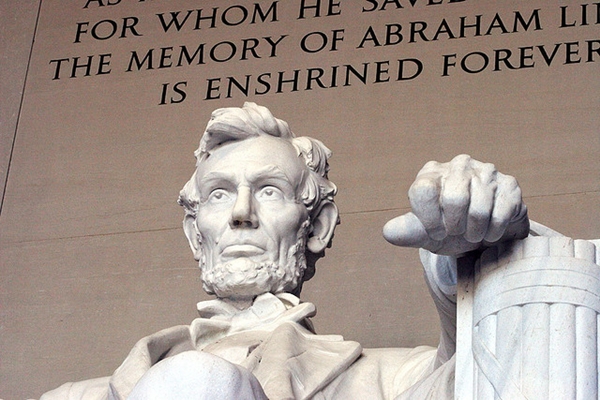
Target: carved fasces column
<point>528,321</point>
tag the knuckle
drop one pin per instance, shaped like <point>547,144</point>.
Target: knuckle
<point>488,168</point>
<point>487,173</point>
<point>462,159</point>
<point>511,182</point>
<point>461,163</point>
<point>423,185</point>
<point>430,166</point>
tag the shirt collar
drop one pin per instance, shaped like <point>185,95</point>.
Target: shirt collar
<point>266,313</point>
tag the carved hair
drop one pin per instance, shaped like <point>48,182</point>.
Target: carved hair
<point>236,124</point>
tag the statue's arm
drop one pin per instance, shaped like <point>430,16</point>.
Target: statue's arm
<point>458,209</point>
<point>440,276</point>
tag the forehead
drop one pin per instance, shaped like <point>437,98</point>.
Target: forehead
<point>262,154</point>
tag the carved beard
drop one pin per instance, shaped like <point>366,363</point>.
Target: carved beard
<point>243,278</point>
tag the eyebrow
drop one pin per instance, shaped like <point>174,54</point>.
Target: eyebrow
<point>272,172</point>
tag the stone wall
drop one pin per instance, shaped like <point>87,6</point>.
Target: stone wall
<point>92,255</point>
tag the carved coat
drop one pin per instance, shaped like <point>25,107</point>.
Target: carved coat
<point>275,341</point>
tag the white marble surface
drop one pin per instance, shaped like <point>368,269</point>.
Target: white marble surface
<point>259,212</point>
<point>528,321</point>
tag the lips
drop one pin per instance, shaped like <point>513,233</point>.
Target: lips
<point>242,250</point>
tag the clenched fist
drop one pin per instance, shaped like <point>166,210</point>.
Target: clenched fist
<point>460,206</point>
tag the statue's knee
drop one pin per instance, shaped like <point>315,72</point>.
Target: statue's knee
<point>197,375</point>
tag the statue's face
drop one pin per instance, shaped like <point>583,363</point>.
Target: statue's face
<point>251,220</point>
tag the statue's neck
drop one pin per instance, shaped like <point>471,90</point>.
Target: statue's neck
<point>240,304</point>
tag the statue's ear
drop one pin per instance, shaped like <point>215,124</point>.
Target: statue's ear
<point>192,234</point>
<point>323,226</point>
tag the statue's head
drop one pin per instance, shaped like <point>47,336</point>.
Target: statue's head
<point>259,208</point>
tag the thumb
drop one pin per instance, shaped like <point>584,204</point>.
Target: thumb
<point>406,231</point>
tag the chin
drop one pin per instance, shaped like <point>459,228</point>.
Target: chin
<point>244,279</point>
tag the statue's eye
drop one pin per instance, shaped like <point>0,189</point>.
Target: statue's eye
<point>269,193</point>
<point>218,196</point>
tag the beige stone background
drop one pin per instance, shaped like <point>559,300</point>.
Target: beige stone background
<point>92,257</point>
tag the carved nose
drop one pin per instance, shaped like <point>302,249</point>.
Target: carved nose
<point>242,214</point>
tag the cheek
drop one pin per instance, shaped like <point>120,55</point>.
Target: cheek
<point>213,223</point>
<point>285,221</point>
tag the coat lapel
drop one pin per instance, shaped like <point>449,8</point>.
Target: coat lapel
<point>158,346</point>
<point>295,364</point>
<point>273,340</point>
<point>147,352</point>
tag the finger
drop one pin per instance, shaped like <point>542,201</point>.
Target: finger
<point>483,191</point>
<point>407,231</point>
<point>455,195</point>
<point>507,204</point>
<point>431,166</point>
<point>424,197</point>
<point>518,228</point>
